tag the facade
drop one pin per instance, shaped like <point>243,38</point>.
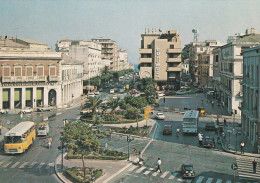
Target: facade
<point>185,67</point>
<point>122,61</point>
<point>161,58</point>
<point>31,75</point>
<point>216,72</point>
<point>232,71</point>
<point>251,97</point>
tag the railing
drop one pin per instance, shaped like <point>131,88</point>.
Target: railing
<point>174,50</point>
<point>53,78</point>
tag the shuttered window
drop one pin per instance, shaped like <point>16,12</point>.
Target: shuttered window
<point>39,93</point>
<point>29,71</point>
<point>17,94</point>
<point>39,71</point>
<point>28,93</point>
<point>18,71</point>
<point>6,71</point>
<point>52,71</point>
<point>6,95</point>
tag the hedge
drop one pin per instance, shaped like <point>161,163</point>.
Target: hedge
<point>70,174</point>
<point>112,122</point>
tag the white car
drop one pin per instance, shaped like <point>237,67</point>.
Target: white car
<point>160,116</point>
<point>96,92</point>
<point>114,96</point>
<point>112,91</point>
<point>26,110</point>
<point>3,111</point>
<point>161,94</point>
<point>91,95</point>
<point>181,92</point>
<point>44,108</point>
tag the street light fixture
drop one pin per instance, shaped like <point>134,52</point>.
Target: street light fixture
<point>129,139</point>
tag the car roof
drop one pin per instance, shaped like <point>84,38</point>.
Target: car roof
<point>159,113</point>
<point>186,164</point>
<point>167,125</point>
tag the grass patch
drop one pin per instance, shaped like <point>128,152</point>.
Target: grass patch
<point>76,174</point>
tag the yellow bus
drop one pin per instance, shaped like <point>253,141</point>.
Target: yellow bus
<point>19,138</point>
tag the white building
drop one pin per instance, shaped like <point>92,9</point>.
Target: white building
<point>185,67</point>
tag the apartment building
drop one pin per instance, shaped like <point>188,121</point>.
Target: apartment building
<point>185,66</point>
<point>251,97</point>
<point>31,75</point>
<point>216,72</point>
<point>123,60</point>
<point>232,71</point>
<point>161,58</point>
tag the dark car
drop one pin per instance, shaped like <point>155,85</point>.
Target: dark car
<point>167,129</point>
<point>187,171</point>
<point>169,93</point>
<point>211,126</point>
<point>209,142</point>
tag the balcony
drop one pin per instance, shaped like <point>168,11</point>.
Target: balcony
<point>6,79</point>
<point>53,78</point>
<point>145,51</point>
<point>40,78</point>
<point>174,50</point>
<point>173,59</point>
<point>145,60</point>
<point>173,69</point>
<point>225,89</point>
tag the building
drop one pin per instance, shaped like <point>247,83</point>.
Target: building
<point>161,58</point>
<point>216,72</point>
<point>232,71</point>
<point>251,97</point>
<point>109,50</point>
<point>122,61</point>
<point>31,76</point>
<point>185,67</point>
<point>86,52</point>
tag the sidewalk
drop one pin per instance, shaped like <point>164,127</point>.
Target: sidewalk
<point>109,167</point>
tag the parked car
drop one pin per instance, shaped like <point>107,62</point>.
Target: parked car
<point>43,129</point>
<point>187,171</point>
<point>169,93</point>
<point>209,142</point>
<point>160,116</point>
<point>100,89</point>
<point>167,129</point>
<point>3,111</point>
<point>96,93</point>
<point>211,126</point>
<point>122,91</point>
<point>112,91</point>
<point>27,110</point>
<point>44,108</point>
<point>181,92</point>
<point>114,96</point>
<point>161,94</point>
<point>91,95</point>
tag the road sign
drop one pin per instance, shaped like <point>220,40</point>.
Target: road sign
<point>234,166</point>
<point>147,113</point>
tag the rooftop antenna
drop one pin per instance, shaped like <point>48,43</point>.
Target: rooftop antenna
<point>196,35</point>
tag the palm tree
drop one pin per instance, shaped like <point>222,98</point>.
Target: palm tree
<point>93,104</point>
<point>103,108</point>
<point>113,104</point>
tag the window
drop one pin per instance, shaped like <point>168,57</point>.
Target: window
<point>40,71</point>
<point>52,71</point>
<point>6,71</point>
<point>29,71</point>
<point>171,46</point>
<point>18,71</point>
<point>149,46</point>
<point>216,58</point>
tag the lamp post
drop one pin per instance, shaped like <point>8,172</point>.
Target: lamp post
<point>235,133</point>
<point>129,139</point>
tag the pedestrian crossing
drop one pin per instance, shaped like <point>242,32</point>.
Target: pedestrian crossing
<point>29,165</point>
<point>173,176</point>
<point>245,167</point>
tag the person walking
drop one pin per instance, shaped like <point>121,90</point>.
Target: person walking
<point>242,145</point>
<point>254,166</point>
<point>225,122</point>
<point>1,127</point>
<point>159,162</point>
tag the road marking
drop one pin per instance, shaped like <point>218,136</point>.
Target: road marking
<point>14,165</point>
<point>40,165</point>
<point>155,173</point>
<point>49,165</point>
<point>6,165</point>
<point>31,165</point>
<point>148,171</point>
<point>209,180</point>
<point>200,179</point>
<point>164,174</point>
<point>132,168</point>
<point>171,177</point>
<point>23,165</point>
<point>219,181</point>
<point>140,169</point>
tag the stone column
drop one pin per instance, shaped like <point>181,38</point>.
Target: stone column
<point>34,97</point>
<point>23,97</point>
<point>11,98</point>
<point>45,96</point>
<point>1,98</point>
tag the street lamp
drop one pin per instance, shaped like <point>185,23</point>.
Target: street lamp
<point>235,133</point>
<point>129,139</point>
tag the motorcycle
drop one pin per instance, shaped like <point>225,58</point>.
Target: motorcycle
<point>140,162</point>
<point>200,137</point>
<point>178,133</point>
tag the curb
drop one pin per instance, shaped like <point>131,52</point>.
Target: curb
<point>60,177</point>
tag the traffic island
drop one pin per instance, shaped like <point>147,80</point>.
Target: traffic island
<point>139,131</point>
<point>76,174</point>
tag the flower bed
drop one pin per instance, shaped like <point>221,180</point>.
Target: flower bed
<point>102,155</point>
<point>76,174</point>
<point>140,131</point>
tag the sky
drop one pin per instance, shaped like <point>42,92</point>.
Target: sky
<point>124,21</point>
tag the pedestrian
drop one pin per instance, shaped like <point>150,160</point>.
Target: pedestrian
<point>242,145</point>
<point>254,166</point>
<point>212,103</point>
<point>159,162</point>
<point>224,135</point>
<point>1,127</point>
<point>106,146</point>
<point>225,122</point>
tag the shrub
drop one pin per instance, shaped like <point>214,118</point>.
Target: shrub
<point>75,174</point>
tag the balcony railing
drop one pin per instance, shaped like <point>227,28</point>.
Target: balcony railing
<point>173,59</point>
<point>145,51</point>
<point>145,60</point>
<point>53,78</point>
<point>174,69</point>
<point>174,50</point>
<point>9,79</point>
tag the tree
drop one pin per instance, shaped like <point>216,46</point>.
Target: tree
<point>113,104</point>
<point>116,76</point>
<point>132,113</point>
<point>92,104</point>
<point>105,70</point>
<point>80,139</point>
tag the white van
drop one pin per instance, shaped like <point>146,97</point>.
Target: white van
<point>43,129</point>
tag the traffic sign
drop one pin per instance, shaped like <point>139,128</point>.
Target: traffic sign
<point>234,166</point>
<point>146,113</point>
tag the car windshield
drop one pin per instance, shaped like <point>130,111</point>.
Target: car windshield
<point>41,128</point>
<point>188,168</point>
<point>13,139</point>
<point>167,127</point>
